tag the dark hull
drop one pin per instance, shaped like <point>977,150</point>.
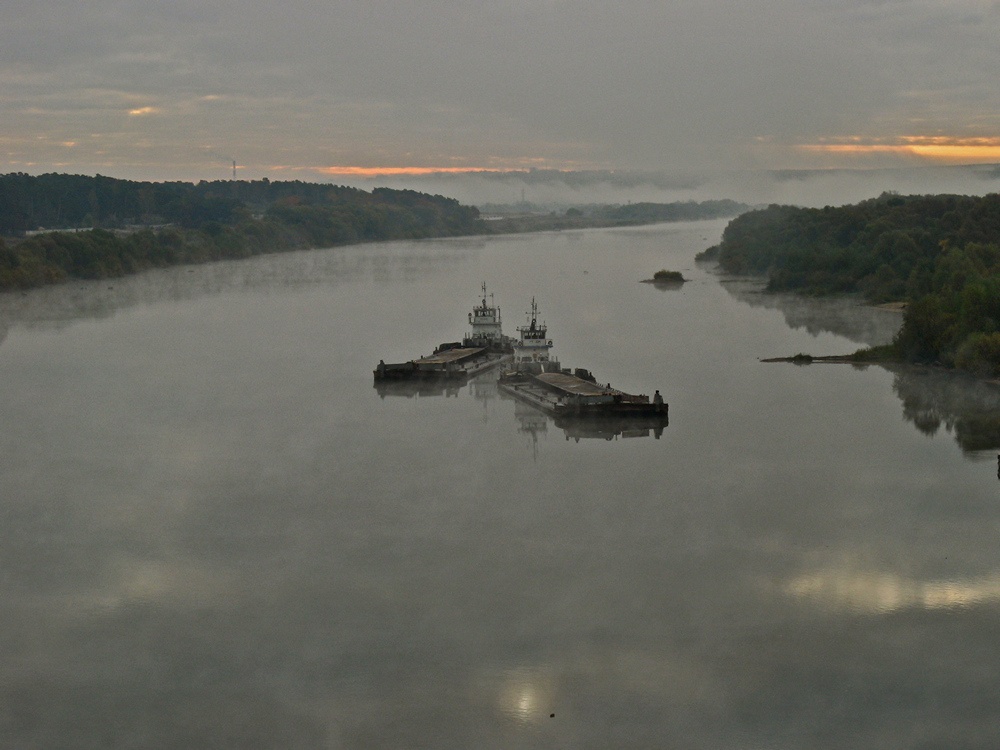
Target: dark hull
<point>458,370</point>
<point>565,405</point>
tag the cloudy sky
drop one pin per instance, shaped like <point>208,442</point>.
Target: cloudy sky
<point>319,89</point>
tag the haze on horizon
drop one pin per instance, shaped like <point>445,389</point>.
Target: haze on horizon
<point>359,92</point>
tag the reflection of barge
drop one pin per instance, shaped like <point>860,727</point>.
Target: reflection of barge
<point>612,426</point>
<point>422,388</point>
<point>484,349</point>
<point>535,422</point>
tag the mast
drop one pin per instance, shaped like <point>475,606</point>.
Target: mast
<point>531,352</point>
<point>487,327</point>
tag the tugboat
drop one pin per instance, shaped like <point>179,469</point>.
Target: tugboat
<point>484,349</point>
<point>487,328</point>
<point>536,378</point>
<point>532,352</point>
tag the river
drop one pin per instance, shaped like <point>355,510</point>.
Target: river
<point>217,533</point>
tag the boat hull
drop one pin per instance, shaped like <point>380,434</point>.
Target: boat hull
<point>567,396</point>
<point>438,367</point>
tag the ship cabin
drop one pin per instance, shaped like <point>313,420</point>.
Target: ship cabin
<point>487,329</point>
<point>532,349</point>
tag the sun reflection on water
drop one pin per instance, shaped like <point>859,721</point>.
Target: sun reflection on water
<point>882,593</point>
<point>527,695</point>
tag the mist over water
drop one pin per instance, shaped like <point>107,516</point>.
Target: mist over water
<point>551,189</point>
<point>218,533</point>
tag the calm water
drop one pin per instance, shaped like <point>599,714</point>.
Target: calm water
<point>217,533</point>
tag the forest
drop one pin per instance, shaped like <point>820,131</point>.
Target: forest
<point>133,226</point>
<point>939,254</point>
<point>56,227</point>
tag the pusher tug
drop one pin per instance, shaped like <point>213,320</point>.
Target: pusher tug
<point>483,349</point>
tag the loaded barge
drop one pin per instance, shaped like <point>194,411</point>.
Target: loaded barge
<point>564,394</point>
<point>537,378</point>
<point>485,348</point>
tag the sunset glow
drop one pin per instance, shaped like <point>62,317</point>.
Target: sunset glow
<point>398,171</point>
<point>933,148</point>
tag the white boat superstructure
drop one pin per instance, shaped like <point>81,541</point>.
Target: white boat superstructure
<point>487,326</point>
<point>485,349</point>
<point>532,350</point>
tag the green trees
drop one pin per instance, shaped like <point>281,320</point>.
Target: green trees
<point>59,201</point>
<point>147,225</point>
<point>940,254</point>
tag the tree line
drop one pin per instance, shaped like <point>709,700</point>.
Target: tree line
<point>940,254</point>
<point>101,227</point>
<point>142,225</point>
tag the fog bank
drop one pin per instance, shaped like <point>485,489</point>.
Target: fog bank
<point>797,187</point>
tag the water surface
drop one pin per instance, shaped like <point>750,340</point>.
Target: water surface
<point>217,533</point>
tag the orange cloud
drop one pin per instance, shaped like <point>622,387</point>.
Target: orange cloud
<point>935,148</point>
<point>393,171</point>
<point>139,111</point>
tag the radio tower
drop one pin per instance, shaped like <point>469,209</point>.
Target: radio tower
<point>234,169</point>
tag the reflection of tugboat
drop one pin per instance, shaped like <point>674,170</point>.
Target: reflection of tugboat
<point>484,349</point>
<point>537,379</point>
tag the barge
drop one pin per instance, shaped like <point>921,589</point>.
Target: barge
<point>445,363</point>
<point>484,349</point>
<point>536,377</point>
<point>562,394</point>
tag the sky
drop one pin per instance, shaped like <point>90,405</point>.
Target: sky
<point>339,90</point>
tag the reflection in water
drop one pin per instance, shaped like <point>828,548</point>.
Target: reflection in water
<point>482,387</point>
<point>881,593</point>
<point>611,428</point>
<point>58,306</point>
<point>666,286</point>
<point>527,695</point>
<point>967,408</point>
<point>259,552</point>
<point>418,388</point>
<point>843,316</point>
<point>531,421</point>
<point>534,422</point>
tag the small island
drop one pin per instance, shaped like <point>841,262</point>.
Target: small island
<point>58,227</point>
<point>666,278</point>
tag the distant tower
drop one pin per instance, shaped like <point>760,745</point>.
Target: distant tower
<point>234,169</point>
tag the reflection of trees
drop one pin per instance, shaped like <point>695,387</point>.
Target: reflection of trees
<point>61,305</point>
<point>843,316</point>
<point>967,408</point>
